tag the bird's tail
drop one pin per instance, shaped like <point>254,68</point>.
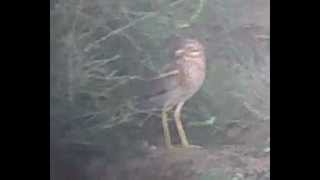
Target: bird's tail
<point>149,95</point>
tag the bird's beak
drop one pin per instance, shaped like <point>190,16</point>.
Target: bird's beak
<point>179,52</point>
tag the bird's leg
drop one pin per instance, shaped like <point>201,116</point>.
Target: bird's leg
<point>166,131</point>
<point>177,118</point>
<point>181,132</point>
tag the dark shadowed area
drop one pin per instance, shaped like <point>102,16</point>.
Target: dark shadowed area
<point>101,50</point>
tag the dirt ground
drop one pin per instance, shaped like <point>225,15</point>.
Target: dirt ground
<point>242,153</point>
<point>228,162</point>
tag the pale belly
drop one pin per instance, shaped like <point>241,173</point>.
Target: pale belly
<point>189,87</point>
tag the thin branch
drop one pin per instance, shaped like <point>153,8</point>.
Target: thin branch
<point>102,62</point>
<point>198,11</point>
<point>131,24</point>
<point>176,3</point>
<point>174,72</point>
<point>257,113</point>
<point>132,41</point>
<point>195,15</point>
<point>70,60</point>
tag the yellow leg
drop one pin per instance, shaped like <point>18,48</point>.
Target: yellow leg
<point>177,118</point>
<point>166,131</point>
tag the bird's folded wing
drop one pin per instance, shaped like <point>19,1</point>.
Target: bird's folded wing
<point>163,83</point>
<point>160,88</point>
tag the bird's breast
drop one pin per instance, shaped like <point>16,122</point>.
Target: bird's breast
<point>192,76</point>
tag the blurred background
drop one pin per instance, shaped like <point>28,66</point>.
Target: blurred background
<point>100,48</point>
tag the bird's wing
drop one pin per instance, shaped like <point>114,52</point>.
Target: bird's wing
<point>166,80</point>
<point>161,87</point>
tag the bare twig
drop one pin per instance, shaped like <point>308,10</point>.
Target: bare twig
<point>132,41</point>
<point>163,75</point>
<point>71,68</point>
<point>257,113</point>
<point>198,11</point>
<point>131,24</point>
<point>195,15</point>
<point>102,62</point>
<point>176,3</point>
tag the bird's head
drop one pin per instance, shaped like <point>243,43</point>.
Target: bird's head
<point>190,49</point>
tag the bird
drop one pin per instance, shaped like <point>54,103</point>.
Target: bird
<point>176,83</point>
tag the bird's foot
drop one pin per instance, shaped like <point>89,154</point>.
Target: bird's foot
<point>192,146</point>
<point>170,147</point>
<point>187,146</point>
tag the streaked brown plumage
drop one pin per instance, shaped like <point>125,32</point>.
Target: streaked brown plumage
<point>177,83</point>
